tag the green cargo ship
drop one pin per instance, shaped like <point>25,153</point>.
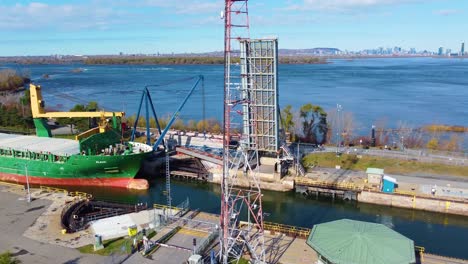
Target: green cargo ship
<point>96,158</point>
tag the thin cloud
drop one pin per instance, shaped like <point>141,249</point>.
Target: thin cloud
<point>101,14</point>
<point>447,12</point>
<point>38,15</point>
<point>341,5</point>
<point>186,6</point>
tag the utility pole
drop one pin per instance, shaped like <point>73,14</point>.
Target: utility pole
<point>338,128</point>
<point>28,198</point>
<point>297,158</point>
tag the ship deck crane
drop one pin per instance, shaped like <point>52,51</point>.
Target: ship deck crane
<point>39,115</point>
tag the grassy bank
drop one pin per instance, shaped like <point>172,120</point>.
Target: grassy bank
<point>445,128</point>
<point>122,245</point>
<point>391,166</point>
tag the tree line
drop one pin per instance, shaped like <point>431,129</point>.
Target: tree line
<point>11,80</point>
<point>15,112</point>
<point>202,126</point>
<point>308,124</point>
<point>192,60</point>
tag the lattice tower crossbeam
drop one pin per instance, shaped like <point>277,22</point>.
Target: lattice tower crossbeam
<point>235,239</point>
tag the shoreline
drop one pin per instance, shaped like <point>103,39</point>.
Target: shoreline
<point>356,189</point>
<point>45,231</point>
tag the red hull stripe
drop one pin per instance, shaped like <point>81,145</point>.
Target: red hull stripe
<point>129,183</point>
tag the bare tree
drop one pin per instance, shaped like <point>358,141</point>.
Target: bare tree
<point>342,126</point>
<point>409,136</point>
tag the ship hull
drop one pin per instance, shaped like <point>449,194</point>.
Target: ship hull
<point>95,170</point>
<point>129,183</point>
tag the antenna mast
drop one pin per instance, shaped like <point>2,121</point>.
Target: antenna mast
<point>239,165</point>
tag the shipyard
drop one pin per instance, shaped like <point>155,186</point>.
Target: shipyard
<point>244,155</point>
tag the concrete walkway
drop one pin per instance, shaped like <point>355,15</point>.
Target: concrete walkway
<point>17,216</point>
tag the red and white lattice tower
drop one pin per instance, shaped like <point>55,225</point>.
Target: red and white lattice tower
<point>240,165</point>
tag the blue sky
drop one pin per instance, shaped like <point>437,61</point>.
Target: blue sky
<point>44,27</point>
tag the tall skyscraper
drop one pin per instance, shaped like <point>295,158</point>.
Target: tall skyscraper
<point>462,51</point>
<point>441,51</point>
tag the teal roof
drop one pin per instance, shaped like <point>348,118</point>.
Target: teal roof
<point>375,171</point>
<point>356,242</point>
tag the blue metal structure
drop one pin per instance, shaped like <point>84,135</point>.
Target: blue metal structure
<point>146,97</point>
<point>388,184</point>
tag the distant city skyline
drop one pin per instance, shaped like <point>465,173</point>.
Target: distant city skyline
<point>44,27</point>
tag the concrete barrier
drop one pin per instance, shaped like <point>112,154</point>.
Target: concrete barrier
<point>415,202</point>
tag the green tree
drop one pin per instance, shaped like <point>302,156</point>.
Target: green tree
<point>453,144</point>
<point>433,144</point>
<point>287,119</point>
<point>79,123</point>
<point>141,122</point>
<point>192,125</point>
<point>7,258</point>
<point>314,123</point>
<point>216,128</point>
<point>178,125</point>
<point>202,126</point>
<point>92,106</point>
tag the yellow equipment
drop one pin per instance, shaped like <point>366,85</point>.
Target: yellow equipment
<point>37,109</point>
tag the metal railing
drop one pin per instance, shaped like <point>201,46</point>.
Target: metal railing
<point>53,189</point>
<point>165,207</point>
<point>79,195</point>
<point>12,184</point>
<point>204,245</point>
<point>296,160</point>
<point>422,195</point>
<point>288,230</point>
<point>421,251</point>
<point>328,185</point>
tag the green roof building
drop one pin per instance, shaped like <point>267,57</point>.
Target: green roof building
<point>355,242</point>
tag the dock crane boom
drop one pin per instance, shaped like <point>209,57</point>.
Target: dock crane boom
<point>39,113</point>
<point>171,121</point>
<point>176,113</point>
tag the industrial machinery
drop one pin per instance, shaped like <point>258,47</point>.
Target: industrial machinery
<point>39,114</point>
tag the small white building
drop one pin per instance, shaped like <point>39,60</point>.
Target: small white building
<point>374,175</point>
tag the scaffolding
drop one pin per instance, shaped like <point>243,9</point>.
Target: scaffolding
<point>236,240</point>
<point>258,66</point>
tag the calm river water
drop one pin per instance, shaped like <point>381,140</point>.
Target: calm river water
<point>441,234</point>
<point>417,91</point>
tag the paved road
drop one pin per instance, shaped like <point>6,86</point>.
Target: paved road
<point>409,154</point>
<point>16,215</point>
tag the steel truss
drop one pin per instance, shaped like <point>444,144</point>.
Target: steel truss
<point>239,238</point>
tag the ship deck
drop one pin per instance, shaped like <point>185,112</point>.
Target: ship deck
<point>56,146</point>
